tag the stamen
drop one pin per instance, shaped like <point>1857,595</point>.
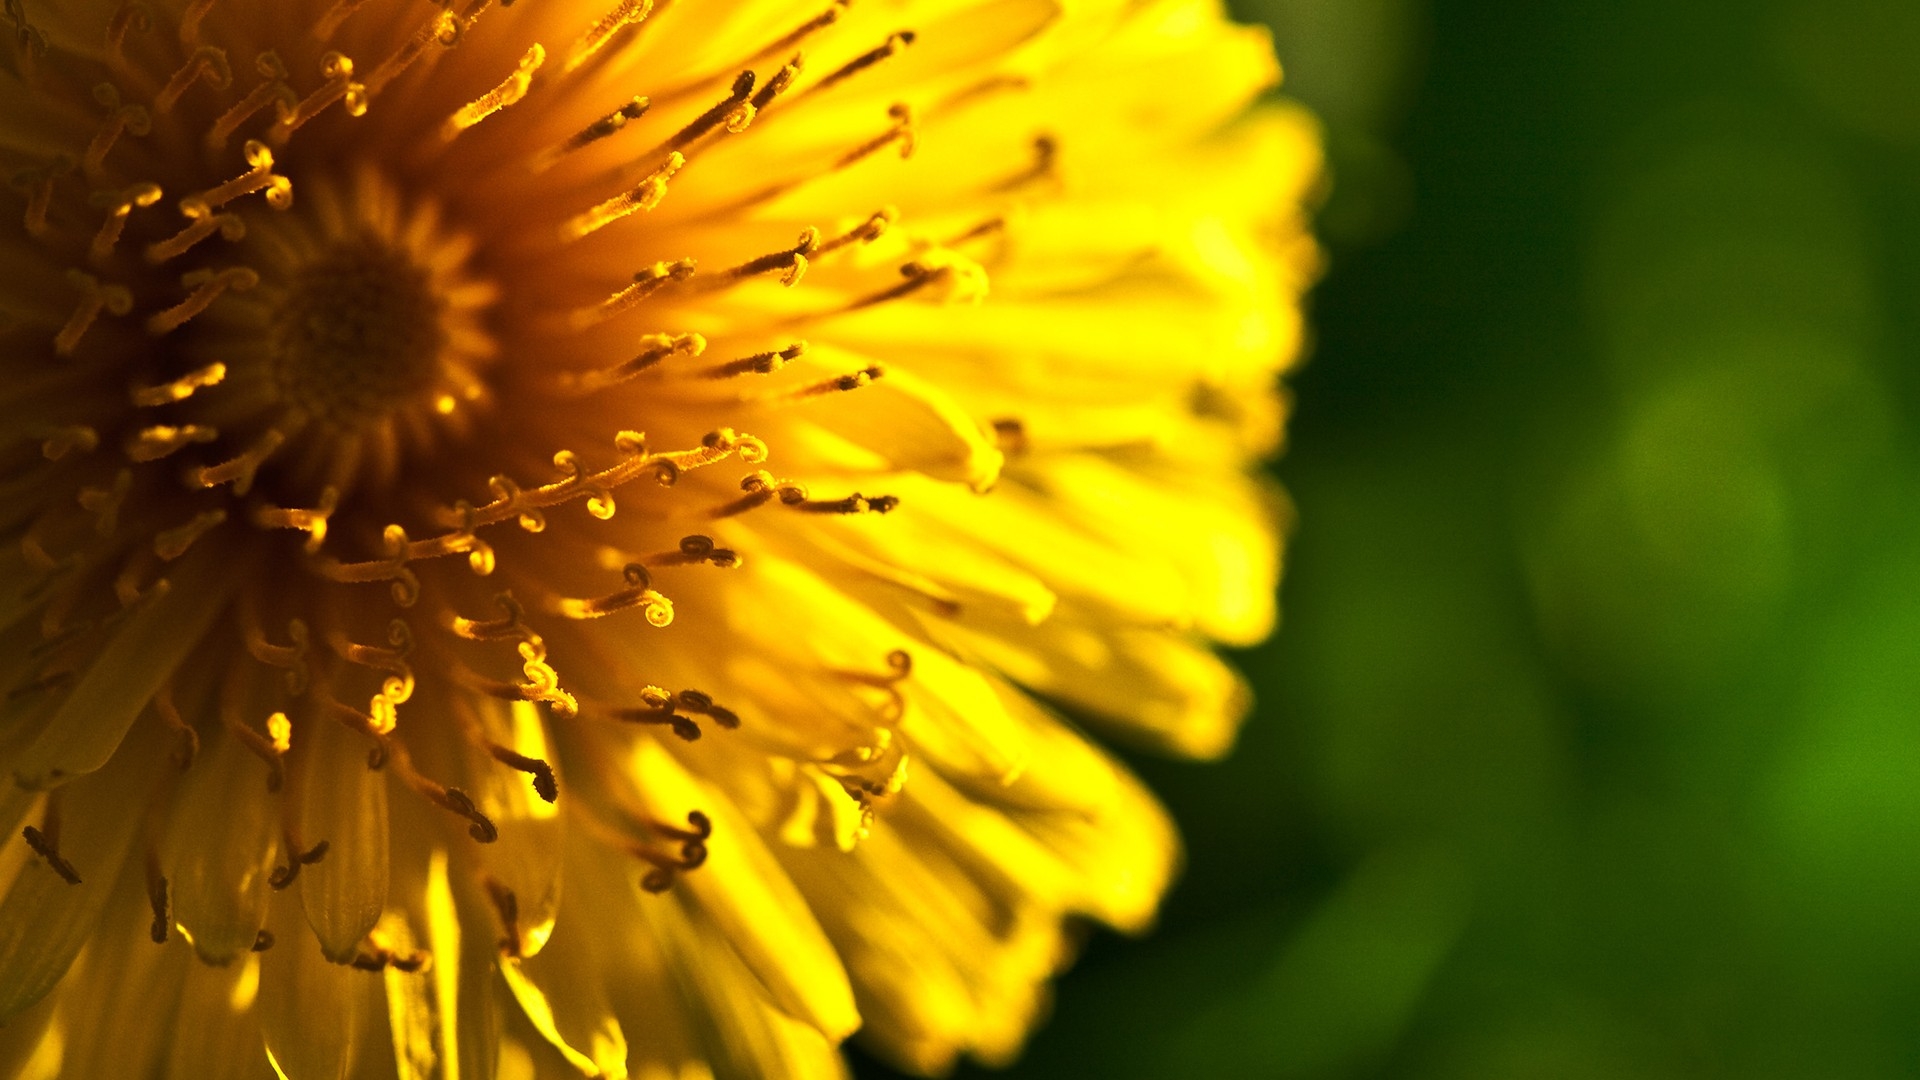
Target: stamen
<point>190,21</point>
<point>702,704</point>
<point>380,958</point>
<point>284,876</point>
<point>656,348</point>
<point>1046,156</point>
<point>342,10</point>
<point>662,708</point>
<point>761,488</point>
<point>259,177</point>
<point>893,46</point>
<point>393,568</point>
<point>627,13</point>
<point>544,783</point>
<point>157,899</point>
<point>840,385</point>
<point>918,276</point>
<point>765,363</point>
<point>645,284</point>
<point>172,543</point>
<point>638,593</point>
<point>45,840</point>
<point>1010,436</point>
<point>262,941</point>
<point>693,852</point>
<point>451,799</point>
<point>292,658</point>
<point>695,550</point>
<point>807,29</point>
<point>121,119</point>
<point>397,689</point>
<point>207,64</point>
<point>154,443</point>
<point>312,522</point>
<point>131,15</point>
<point>94,298</point>
<point>736,111</point>
<point>181,388</point>
<point>39,184</point>
<point>118,207</point>
<point>642,196</point>
<point>990,227</point>
<point>864,233</point>
<point>186,740</point>
<point>775,86</point>
<point>508,93</point>
<point>606,126</point>
<point>204,224</point>
<point>337,70</point>
<point>791,263</point>
<point>207,286</point>
<point>444,29</point>
<point>57,443</point>
<point>273,89</point>
<point>238,471</point>
<point>901,132</point>
<point>507,906</point>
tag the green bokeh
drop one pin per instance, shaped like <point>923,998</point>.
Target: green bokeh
<point>1591,745</point>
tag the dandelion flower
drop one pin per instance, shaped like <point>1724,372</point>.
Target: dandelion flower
<point>562,537</point>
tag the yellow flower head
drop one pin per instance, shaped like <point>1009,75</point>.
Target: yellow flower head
<point>555,537</point>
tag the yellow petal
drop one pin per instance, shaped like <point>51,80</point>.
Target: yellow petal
<point>308,1008</point>
<point>344,804</point>
<point>221,846</point>
<point>751,902</point>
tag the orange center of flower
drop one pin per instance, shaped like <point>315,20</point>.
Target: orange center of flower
<point>361,331</point>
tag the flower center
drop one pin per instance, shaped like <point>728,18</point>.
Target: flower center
<point>360,333</point>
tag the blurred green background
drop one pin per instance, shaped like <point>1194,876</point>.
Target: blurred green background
<point>1591,745</point>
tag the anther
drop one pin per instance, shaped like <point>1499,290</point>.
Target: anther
<point>917,276</point>
<point>693,852</point>
<point>313,521</point>
<point>207,286</point>
<point>45,840</point>
<point>1010,436</point>
<point>695,550</point>
<point>273,89</point>
<point>509,92</point>
<point>626,13</point>
<point>131,16</point>
<point>544,782</point>
<point>190,20</point>
<point>642,196</point>
<point>284,876</point>
<point>392,568</point>
<point>701,704</point>
<point>203,222</point>
<point>57,443</point>
<point>638,593</point>
<point>172,543</point>
<point>645,284</point>
<point>118,206</point>
<point>337,70</point>
<point>765,363</point>
<point>122,119</point>
<point>292,658</point>
<point>340,12</point>
<point>893,46</point>
<point>161,440</point>
<point>735,111</point>
<point>901,132</point>
<point>655,348</point>
<point>855,503</point>
<point>866,232</point>
<point>157,899</point>
<point>451,799</point>
<point>507,906</point>
<point>379,958</point>
<point>239,470</point>
<point>775,86</point>
<point>608,125</point>
<point>444,29</point>
<point>185,739</point>
<point>95,298</point>
<point>841,384</point>
<point>39,185</point>
<point>207,64</point>
<point>180,389</point>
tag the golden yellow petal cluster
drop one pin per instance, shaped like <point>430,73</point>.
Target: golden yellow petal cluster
<point>558,537</point>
